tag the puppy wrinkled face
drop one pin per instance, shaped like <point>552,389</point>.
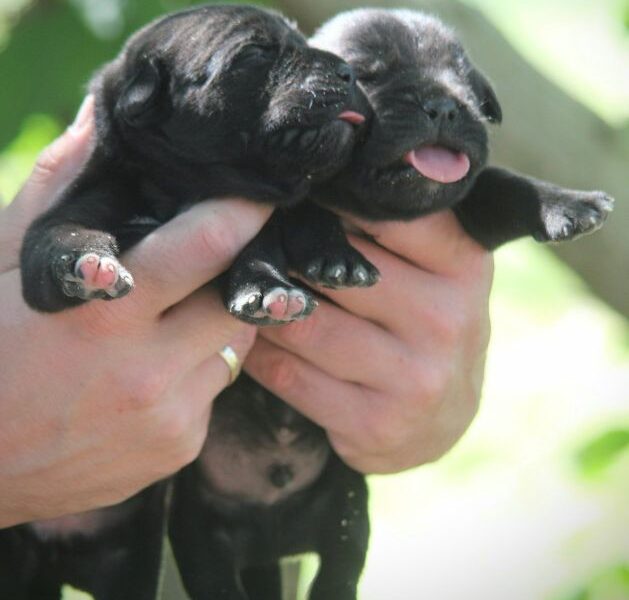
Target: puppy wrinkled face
<point>238,86</point>
<point>428,140</point>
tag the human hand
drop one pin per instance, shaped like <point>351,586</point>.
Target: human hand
<point>101,400</point>
<point>392,372</point>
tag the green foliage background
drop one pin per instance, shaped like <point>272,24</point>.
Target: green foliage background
<point>533,504</point>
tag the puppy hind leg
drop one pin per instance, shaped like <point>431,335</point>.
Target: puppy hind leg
<point>344,538</point>
<point>256,288</point>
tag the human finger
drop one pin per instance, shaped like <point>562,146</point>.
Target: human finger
<point>306,388</point>
<point>412,304</point>
<point>191,250</point>
<point>199,326</point>
<point>436,243</point>
<point>345,337</point>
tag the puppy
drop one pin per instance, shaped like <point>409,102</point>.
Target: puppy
<point>267,483</point>
<point>204,103</point>
<point>427,146</point>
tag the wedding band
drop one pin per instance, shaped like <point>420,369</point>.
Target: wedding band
<point>231,360</point>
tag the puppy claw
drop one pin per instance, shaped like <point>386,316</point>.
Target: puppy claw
<point>342,271</point>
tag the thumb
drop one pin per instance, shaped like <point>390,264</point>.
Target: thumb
<point>55,168</point>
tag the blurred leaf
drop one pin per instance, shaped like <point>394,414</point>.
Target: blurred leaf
<point>598,454</point>
<point>48,61</point>
<point>17,160</point>
<point>53,51</point>
<point>611,584</point>
<point>580,595</point>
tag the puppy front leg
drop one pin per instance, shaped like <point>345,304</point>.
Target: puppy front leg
<point>317,248</point>
<point>503,206</point>
<point>68,256</point>
<point>256,289</point>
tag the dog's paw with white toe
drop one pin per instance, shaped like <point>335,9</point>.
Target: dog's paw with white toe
<point>93,276</point>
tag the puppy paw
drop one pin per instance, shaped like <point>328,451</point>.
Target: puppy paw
<point>341,269</point>
<point>92,276</point>
<point>583,213</point>
<point>267,303</point>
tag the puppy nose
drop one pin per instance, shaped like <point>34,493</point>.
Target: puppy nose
<point>346,73</point>
<point>440,109</point>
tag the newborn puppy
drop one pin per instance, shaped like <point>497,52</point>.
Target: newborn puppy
<point>426,149</point>
<point>266,485</point>
<point>210,102</point>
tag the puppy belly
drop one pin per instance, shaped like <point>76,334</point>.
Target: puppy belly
<point>262,475</point>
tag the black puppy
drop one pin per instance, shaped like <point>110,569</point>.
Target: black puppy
<point>209,102</point>
<point>427,146</point>
<point>267,484</point>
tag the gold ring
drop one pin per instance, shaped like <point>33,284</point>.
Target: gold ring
<point>231,360</point>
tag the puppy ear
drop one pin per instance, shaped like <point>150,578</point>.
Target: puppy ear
<point>488,102</point>
<point>141,101</point>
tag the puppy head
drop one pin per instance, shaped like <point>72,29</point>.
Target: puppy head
<point>235,86</point>
<point>428,140</point>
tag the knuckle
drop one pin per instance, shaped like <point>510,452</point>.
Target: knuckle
<point>215,241</point>
<point>173,428</point>
<point>452,328</point>
<point>281,373</point>
<point>449,323</point>
<point>430,386</point>
<point>382,432</point>
<point>48,163</point>
<point>302,333</point>
<point>145,387</point>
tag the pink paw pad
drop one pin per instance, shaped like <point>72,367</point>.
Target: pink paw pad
<point>97,272</point>
<point>275,303</point>
<point>284,305</point>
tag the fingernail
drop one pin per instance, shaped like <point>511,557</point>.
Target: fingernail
<point>83,116</point>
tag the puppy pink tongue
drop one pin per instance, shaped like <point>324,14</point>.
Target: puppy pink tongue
<point>439,163</point>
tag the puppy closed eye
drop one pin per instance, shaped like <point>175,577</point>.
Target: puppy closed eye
<point>254,55</point>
